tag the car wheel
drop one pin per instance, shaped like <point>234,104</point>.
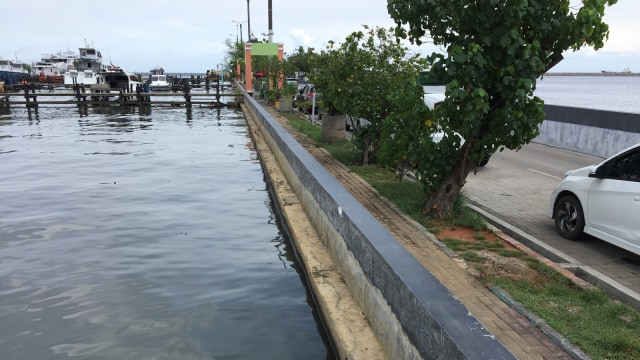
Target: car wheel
<point>569,217</point>
<point>483,162</point>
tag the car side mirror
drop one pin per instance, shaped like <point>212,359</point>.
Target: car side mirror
<point>598,173</point>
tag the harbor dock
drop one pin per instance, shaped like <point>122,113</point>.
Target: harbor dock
<point>32,98</point>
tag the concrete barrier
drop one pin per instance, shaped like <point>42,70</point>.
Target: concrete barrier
<point>413,314</point>
<point>595,132</point>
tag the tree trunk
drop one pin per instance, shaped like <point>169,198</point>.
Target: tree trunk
<point>442,200</point>
<point>365,154</point>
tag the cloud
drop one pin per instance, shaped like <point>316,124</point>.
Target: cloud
<point>301,38</point>
<point>188,35</point>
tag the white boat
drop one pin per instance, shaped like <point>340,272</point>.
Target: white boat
<point>113,81</point>
<point>85,67</point>
<point>52,67</point>
<point>159,82</point>
<point>46,72</point>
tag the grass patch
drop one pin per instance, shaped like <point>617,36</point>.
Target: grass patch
<point>462,215</point>
<point>510,253</point>
<point>455,244</point>
<point>343,151</point>
<point>603,328</point>
<point>472,257</point>
<point>306,127</point>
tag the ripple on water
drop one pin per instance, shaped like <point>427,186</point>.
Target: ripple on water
<point>128,236</point>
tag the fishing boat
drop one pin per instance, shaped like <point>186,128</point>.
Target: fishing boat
<point>85,67</point>
<point>13,72</point>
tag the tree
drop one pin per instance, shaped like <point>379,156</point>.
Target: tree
<point>234,55</point>
<point>495,51</point>
<point>300,60</point>
<point>369,76</point>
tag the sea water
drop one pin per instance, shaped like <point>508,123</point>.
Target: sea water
<point>128,234</point>
<point>611,93</point>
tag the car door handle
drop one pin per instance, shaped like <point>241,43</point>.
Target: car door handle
<point>637,198</point>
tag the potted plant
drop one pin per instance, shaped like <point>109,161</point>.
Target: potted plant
<point>273,97</point>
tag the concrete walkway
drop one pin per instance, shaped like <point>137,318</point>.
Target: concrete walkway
<point>509,326</point>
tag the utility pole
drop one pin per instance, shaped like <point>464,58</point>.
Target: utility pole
<point>270,21</point>
<point>248,22</point>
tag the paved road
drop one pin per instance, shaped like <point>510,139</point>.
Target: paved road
<point>515,187</point>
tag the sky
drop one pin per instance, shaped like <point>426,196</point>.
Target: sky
<point>188,36</point>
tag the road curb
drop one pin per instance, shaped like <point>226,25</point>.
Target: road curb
<point>560,340</point>
<point>560,261</point>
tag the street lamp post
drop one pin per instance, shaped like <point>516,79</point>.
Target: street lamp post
<point>239,23</point>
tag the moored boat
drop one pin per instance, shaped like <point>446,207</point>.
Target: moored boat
<point>47,72</point>
<point>52,67</point>
<point>159,82</point>
<point>158,70</point>
<point>13,72</point>
<point>112,81</point>
<point>85,67</point>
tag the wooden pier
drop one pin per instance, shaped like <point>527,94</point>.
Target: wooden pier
<point>31,98</point>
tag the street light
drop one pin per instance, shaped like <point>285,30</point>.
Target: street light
<point>270,35</point>
<point>236,34</point>
<point>239,23</point>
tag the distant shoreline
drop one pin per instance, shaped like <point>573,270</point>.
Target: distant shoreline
<point>602,73</point>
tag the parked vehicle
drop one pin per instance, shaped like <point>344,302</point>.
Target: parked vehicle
<point>291,81</point>
<point>602,200</point>
<point>432,100</point>
<point>352,123</point>
<point>305,97</point>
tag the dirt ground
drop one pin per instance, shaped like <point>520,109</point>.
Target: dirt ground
<point>495,264</point>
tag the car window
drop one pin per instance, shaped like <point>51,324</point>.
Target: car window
<point>626,167</point>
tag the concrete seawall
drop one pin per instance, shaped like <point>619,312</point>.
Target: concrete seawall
<point>413,315</point>
<point>594,132</point>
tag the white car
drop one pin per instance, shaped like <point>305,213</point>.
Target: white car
<point>352,123</point>
<point>431,100</point>
<point>602,200</point>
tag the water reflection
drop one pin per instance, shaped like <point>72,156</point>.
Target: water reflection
<point>4,108</point>
<point>137,236</point>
